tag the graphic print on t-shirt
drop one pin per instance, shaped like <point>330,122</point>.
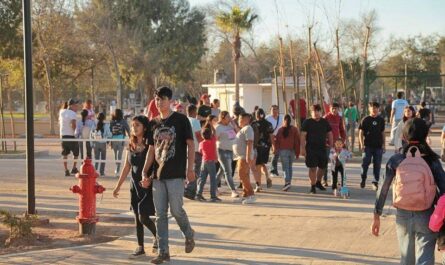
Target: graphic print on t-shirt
<point>165,140</point>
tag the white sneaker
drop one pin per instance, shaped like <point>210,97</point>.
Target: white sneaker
<point>258,189</point>
<point>249,200</point>
<point>234,194</point>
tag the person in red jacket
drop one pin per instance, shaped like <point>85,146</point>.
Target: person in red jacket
<point>287,145</point>
<point>338,131</point>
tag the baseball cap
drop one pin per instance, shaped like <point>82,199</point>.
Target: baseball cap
<point>72,101</point>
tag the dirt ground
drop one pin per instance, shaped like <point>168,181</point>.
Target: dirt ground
<point>61,231</point>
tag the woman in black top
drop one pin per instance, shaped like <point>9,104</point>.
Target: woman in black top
<point>141,198</point>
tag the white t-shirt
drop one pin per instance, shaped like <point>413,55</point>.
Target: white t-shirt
<point>274,122</point>
<point>65,118</point>
<point>398,106</point>
<point>196,127</point>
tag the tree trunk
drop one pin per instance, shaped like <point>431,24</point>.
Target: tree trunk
<point>12,118</point>
<point>363,96</point>
<point>283,77</point>
<point>118,74</point>
<point>236,56</point>
<point>296,80</point>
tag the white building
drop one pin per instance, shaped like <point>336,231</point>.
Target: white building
<point>251,95</point>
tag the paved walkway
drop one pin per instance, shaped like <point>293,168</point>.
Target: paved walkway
<point>281,228</point>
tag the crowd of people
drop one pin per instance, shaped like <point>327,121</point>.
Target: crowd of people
<point>197,141</point>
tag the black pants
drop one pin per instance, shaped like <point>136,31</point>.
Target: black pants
<point>140,221</point>
<point>335,172</point>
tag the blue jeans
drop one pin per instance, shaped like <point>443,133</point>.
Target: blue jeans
<point>190,189</point>
<point>376,155</point>
<point>416,241</point>
<point>207,168</point>
<point>225,158</point>
<point>168,193</point>
<point>274,164</point>
<point>100,153</point>
<point>286,157</point>
<point>118,148</point>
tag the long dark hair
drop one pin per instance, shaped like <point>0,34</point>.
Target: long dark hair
<point>117,115</point>
<point>260,114</point>
<point>412,110</point>
<point>100,122</point>
<point>84,114</point>
<point>415,131</point>
<point>145,123</point>
<point>208,123</point>
<point>287,125</point>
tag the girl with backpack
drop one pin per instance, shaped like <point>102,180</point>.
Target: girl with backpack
<point>287,146</point>
<point>141,198</point>
<point>83,131</point>
<point>100,134</point>
<point>119,129</point>
<point>416,180</point>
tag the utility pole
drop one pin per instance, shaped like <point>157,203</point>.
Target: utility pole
<point>406,81</point>
<point>309,68</point>
<point>296,88</point>
<point>363,81</point>
<point>92,81</point>
<point>27,50</point>
<point>340,67</point>
<point>3,131</point>
<point>283,76</point>
<point>276,86</point>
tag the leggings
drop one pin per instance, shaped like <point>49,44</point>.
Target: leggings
<point>142,220</point>
<point>338,169</point>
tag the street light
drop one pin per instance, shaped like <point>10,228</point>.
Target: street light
<point>92,80</point>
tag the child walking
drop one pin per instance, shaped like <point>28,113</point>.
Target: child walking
<point>141,198</point>
<point>338,156</point>
<point>208,150</point>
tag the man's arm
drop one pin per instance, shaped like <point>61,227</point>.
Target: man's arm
<point>249,149</point>
<point>190,160</point>
<point>360,139</point>
<point>383,141</point>
<point>73,124</point>
<point>392,115</point>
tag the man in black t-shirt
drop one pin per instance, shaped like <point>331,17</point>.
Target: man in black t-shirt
<point>314,132</point>
<point>171,152</point>
<point>372,143</point>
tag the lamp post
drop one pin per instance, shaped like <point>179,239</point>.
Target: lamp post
<point>92,80</point>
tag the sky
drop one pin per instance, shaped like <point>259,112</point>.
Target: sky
<point>397,18</point>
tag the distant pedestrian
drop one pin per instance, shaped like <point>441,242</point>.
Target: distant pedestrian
<point>408,113</point>
<point>208,168</point>
<point>263,146</point>
<point>397,108</point>
<point>314,132</point>
<point>351,118</point>
<point>190,189</point>
<point>215,107</point>
<point>275,118</point>
<point>287,145</point>
<point>83,131</point>
<point>243,151</point>
<point>372,143</point>
<point>68,125</point>
<point>119,130</point>
<point>141,198</point>
<point>88,105</point>
<point>225,136</point>
<point>100,135</point>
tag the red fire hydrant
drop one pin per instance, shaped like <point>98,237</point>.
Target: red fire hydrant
<point>87,189</point>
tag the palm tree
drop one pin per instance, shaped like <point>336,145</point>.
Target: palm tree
<point>235,22</point>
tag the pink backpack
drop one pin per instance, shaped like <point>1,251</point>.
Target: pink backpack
<point>413,187</point>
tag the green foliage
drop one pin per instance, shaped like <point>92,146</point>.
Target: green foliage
<point>10,21</point>
<point>236,20</point>
<point>19,227</point>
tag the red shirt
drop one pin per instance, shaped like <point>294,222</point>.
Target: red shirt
<point>338,129</point>
<point>302,108</point>
<point>208,149</point>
